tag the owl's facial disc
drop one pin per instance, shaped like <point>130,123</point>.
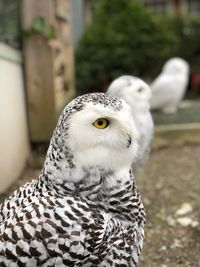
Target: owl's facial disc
<point>132,90</point>
<point>103,137</point>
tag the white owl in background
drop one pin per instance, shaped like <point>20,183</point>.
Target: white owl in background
<point>137,94</point>
<point>168,89</point>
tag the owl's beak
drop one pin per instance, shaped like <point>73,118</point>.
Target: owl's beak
<point>129,141</point>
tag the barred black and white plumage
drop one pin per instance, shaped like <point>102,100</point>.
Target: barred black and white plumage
<point>84,209</point>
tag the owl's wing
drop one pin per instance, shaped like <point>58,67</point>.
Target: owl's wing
<point>146,129</point>
<point>51,232</point>
<point>54,230</point>
<point>163,88</point>
<point>15,200</point>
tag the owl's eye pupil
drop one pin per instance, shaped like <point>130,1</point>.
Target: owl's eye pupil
<point>100,122</point>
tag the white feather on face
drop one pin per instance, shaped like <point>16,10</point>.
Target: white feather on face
<point>110,148</point>
<point>132,90</point>
<point>176,66</point>
<point>169,87</point>
<point>137,94</point>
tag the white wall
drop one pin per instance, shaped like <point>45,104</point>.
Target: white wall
<point>14,148</point>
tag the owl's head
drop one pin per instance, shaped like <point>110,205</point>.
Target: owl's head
<point>176,66</point>
<point>132,90</point>
<point>94,130</point>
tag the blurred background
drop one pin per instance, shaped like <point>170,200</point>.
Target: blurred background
<point>54,50</point>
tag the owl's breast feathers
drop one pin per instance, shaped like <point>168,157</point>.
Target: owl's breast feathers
<point>44,225</point>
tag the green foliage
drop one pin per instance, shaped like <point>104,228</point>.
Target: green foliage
<point>40,26</point>
<point>124,38</point>
<point>187,29</point>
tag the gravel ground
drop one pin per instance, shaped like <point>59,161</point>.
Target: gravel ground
<point>171,178</point>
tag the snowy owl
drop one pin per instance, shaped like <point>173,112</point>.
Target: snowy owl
<point>84,209</point>
<point>169,87</point>
<point>137,94</point>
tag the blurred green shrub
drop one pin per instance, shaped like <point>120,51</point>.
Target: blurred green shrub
<point>187,30</point>
<point>124,38</point>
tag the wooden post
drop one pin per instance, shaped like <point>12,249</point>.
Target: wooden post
<point>46,69</point>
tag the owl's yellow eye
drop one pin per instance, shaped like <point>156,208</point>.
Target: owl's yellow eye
<point>101,123</point>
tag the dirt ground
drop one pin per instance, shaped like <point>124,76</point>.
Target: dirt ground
<point>170,179</point>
